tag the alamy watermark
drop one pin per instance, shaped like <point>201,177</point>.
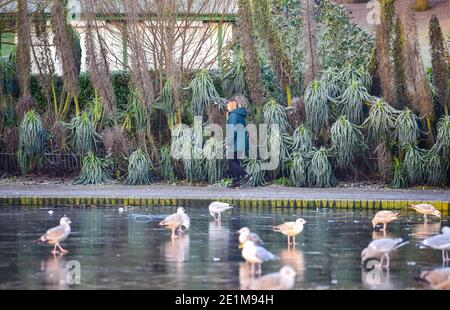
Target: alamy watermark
<point>259,142</point>
<point>374,15</point>
<point>375,275</point>
<point>73,275</point>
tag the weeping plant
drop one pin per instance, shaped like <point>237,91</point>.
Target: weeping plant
<point>166,167</point>
<point>257,175</point>
<point>331,79</point>
<point>320,172</point>
<point>93,171</point>
<point>415,164</point>
<point>274,113</point>
<point>166,102</point>
<point>32,140</point>
<point>233,81</point>
<point>406,128</point>
<point>351,103</point>
<point>299,166</point>
<point>139,169</point>
<point>443,136</point>
<point>347,140</point>
<point>215,164</point>
<point>435,168</point>
<point>380,122</point>
<point>302,139</point>
<point>317,107</point>
<point>184,148</point>
<point>83,136</point>
<point>138,111</point>
<point>204,93</point>
<point>361,74</point>
<point>399,179</point>
<point>283,143</point>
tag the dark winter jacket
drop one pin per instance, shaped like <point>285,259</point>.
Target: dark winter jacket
<point>237,136</point>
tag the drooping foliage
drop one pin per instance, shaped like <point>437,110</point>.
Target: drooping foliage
<point>347,140</point>
<point>93,171</point>
<point>32,141</point>
<point>317,106</point>
<point>139,169</point>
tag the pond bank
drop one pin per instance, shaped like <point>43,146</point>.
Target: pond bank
<point>12,193</point>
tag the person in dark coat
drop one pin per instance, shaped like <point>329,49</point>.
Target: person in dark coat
<point>237,140</point>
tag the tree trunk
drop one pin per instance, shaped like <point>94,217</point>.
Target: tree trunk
<point>383,49</point>
<point>312,63</point>
<point>417,85</point>
<point>23,49</point>
<point>247,40</point>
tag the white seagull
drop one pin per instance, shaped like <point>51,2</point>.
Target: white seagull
<point>245,234</point>
<point>216,209</point>
<point>254,254</point>
<point>281,280</point>
<point>440,242</point>
<point>382,248</point>
<point>56,235</point>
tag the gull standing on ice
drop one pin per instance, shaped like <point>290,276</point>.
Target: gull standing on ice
<point>56,235</point>
<point>291,229</point>
<point>245,234</point>
<point>254,254</point>
<point>382,248</point>
<point>216,209</point>
<point>440,242</point>
<point>426,209</point>
<point>384,217</point>
<point>176,221</point>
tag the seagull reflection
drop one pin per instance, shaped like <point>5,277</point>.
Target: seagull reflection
<point>219,238</point>
<point>423,231</point>
<point>177,249</point>
<point>382,234</point>
<point>55,272</point>
<point>294,258</point>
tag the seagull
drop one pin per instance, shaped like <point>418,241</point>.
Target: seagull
<point>216,209</point>
<point>291,229</point>
<point>245,234</point>
<point>381,248</point>
<point>254,254</point>
<point>437,279</point>
<point>56,235</point>
<point>281,280</point>
<point>426,209</point>
<point>384,217</point>
<point>176,221</point>
<point>186,220</point>
<point>440,242</point>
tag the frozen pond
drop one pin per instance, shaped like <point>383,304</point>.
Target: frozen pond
<point>118,251</point>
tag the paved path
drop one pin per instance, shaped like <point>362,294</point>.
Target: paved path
<point>197,192</point>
